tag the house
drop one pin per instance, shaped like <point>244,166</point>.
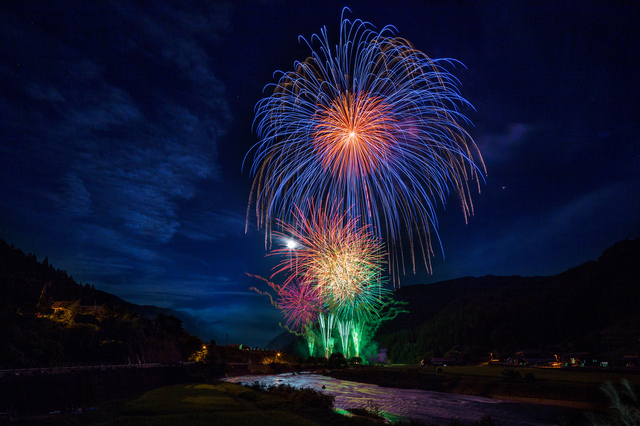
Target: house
<point>529,357</point>
<point>578,359</point>
<point>64,305</point>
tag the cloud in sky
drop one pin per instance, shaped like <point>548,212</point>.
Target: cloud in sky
<point>114,117</point>
<point>497,148</point>
<point>548,243</point>
<point>124,126</point>
<point>107,147</point>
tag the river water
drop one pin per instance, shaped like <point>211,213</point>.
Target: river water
<point>428,406</point>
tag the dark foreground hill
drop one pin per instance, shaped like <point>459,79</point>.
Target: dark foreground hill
<point>47,318</point>
<point>593,308</point>
<point>24,281</point>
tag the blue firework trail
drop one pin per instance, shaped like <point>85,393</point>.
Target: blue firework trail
<point>372,123</point>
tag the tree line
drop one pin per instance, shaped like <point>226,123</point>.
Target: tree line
<point>592,308</point>
<point>90,327</point>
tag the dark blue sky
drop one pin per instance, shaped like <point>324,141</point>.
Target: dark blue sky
<point>124,125</point>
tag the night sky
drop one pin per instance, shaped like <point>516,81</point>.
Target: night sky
<point>124,126</point>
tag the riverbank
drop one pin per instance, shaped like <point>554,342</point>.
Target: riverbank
<point>220,403</point>
<point>38,395</point>
<point>203,404</point>
<point>571,389</point>
<point>41,394</point>
<point>426,407</point>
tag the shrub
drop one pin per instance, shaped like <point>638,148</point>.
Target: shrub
<point>624,406</point>
<point>276,367</point>
<point>305,396</point>
<point>370,410</point>
<point>511,375</point>
<point>316,360</point>
<point>356,360</point>
<point>337,360</point>
<point>312,398</point>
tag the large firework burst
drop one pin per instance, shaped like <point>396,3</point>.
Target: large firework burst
<point>373,122</point>
<point>332,277</point>
<point>339,257</point>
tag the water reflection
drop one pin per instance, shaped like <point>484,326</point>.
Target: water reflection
<point>423,405</point>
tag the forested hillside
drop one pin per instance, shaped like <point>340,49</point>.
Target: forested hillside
<point>592,308</point>
<point>47,318</point>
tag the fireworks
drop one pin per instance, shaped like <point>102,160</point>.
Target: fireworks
<point>300,304</point>
<point>357,144</point>
<point>332,268</point>
<point>373,122</point>
<point>341,258</point>
<point>335,255</point>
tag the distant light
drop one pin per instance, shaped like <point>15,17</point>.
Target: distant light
<point>291,244</point>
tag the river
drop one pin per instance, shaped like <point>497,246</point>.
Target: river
<point>427,406</point>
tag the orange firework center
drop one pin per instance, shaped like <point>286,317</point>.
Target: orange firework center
<point>352,137</point>
<point>341,274</point>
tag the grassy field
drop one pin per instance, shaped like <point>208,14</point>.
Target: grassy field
<point>234,405</point>
<point>203,404</point>
<point>220,404</point>
<point>495,381</point>
<point>558,375</point>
